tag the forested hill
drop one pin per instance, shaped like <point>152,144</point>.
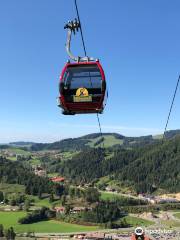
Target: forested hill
<point>95,140</point>
<point>146,169</point>
<point>15,172</point>
<point>22,143</point>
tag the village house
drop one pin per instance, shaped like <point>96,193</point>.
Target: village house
<point>90,236</point>
<point>117,236</point>
<point>60,210</point>
<point>39,171</point>
<point>79,236</point>
<point>148,198</point>
<point>7,153</point>
<point>110,189</point>
<point>80,209</point>
<point>57,179</point>
<point>73,210</point>
<point>166,200</point>
<point>95,236</point>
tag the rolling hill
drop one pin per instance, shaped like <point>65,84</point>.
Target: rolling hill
<point>145,163</point>
<point>147,168</point>
<point>95,140</point>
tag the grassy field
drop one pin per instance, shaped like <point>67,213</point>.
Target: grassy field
<point>53,174</point>
<point>18,151</point>
<point>159,136</point>
<point>45,201</point>
<point>109,196</point>
<point>34,161</point>
<point>69,155</point>
<point>177,215</point>
<point>108,141</point>
<point>171,223</point>
<point>9,219</point>
<point>114,196</point>
<point>135,221</point>
<point>20,189</point>
<point>12,158</point>
<point>42,202</point>
<point>11,188</point>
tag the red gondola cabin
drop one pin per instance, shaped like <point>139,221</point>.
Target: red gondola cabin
<point>82,88</point>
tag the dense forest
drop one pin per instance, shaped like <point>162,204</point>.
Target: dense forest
<point>145,168</point>
<point>19,173</point>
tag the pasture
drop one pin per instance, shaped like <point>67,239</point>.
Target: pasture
<point>10,219</point>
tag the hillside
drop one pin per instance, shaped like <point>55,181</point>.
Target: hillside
<point>22,144</point>
<point>18,173</point>
<point>148,168</point>
<point>144,164</point>
<point>95,140</point>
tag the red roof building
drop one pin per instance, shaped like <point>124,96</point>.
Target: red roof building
<point>57,179</point>
<point>60,209</point>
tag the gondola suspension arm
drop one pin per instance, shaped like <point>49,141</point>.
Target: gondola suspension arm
<point>73,26</point>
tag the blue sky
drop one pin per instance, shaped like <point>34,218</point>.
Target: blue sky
<point>136,41</point>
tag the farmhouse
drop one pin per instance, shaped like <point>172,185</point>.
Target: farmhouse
<point>60,209</point>
<point>90,236</point>
<point>39,171</point>
<point>94,236</point>
<point>80,209</point>
<point>57,179</point>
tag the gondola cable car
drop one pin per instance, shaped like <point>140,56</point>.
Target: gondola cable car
<point>82,84</point>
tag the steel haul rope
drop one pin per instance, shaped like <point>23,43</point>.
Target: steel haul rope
<point>85,52</point>
<point>172,103</point>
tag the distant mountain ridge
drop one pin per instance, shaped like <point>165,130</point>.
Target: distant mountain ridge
<point>21,143</point>
<point>96,140</point>
<point>95,135</point>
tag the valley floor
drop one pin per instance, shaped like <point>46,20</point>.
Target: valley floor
<point>55,230</point>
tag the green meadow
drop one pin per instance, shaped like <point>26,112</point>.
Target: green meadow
<point>109,196</point>
<point>10,219</point>
<point>11,188</point>
<point>177,215</point>
<point>109,141</point>
<point>135,221</point>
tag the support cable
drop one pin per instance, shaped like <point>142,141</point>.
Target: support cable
<point>85,52</point>
<point>82,37</point>
<point>170,110</point>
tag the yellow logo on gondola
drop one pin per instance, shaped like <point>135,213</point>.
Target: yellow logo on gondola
<point>82,92</point>
<point>82,95</point>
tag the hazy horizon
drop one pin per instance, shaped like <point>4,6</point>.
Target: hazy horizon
<point>54,139</point>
